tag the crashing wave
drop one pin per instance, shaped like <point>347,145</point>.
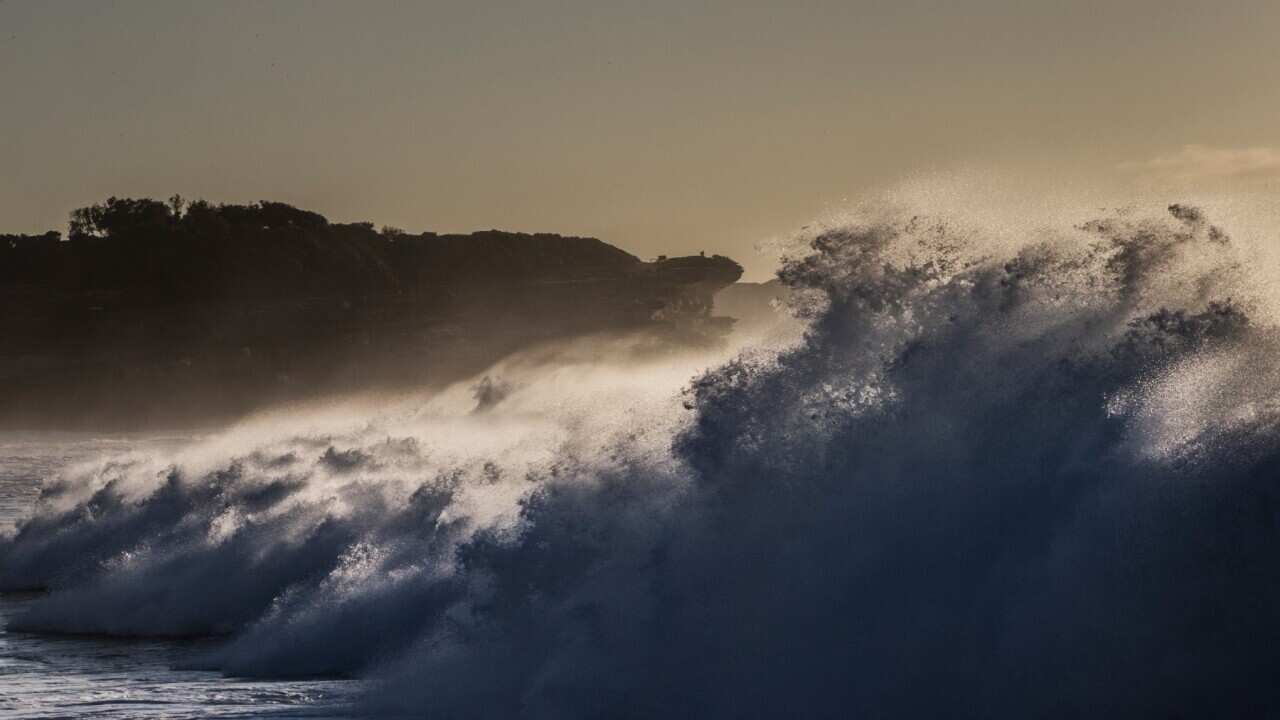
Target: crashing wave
<point>1037,481</point>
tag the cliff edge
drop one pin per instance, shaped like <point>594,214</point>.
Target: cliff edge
<point>163,314</point>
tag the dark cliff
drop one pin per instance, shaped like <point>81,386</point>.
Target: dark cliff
<point>153,313</point>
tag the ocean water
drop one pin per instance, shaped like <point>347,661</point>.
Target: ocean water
<point>1011,469</point>
<point>95,676</point>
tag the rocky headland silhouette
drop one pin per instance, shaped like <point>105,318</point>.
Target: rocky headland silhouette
<point>152,313</point>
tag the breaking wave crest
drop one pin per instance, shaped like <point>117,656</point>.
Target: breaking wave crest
<point>991,479</point>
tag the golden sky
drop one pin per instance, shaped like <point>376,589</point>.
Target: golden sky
<point>663,127</point>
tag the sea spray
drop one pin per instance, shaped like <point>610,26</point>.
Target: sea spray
<point>1001,479</point>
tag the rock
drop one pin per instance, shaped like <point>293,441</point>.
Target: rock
<point>150,316</point>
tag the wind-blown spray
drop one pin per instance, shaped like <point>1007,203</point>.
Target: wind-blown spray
<point>990,480</point>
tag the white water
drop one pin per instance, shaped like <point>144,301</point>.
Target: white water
<point>1021,471</point>
<point>44,676</point>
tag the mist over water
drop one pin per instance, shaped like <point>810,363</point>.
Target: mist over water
<point>1004,472</point>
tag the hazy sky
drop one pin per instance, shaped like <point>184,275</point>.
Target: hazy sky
<point>663,127</point>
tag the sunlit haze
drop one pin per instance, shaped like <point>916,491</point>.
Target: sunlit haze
<point>662,127</point>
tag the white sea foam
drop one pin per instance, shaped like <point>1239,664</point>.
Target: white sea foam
<point>1014,469</point>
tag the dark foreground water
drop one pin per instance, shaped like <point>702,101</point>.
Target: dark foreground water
<point>44,676</point>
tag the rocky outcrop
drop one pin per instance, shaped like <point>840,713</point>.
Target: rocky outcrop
<point>154,313</point>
